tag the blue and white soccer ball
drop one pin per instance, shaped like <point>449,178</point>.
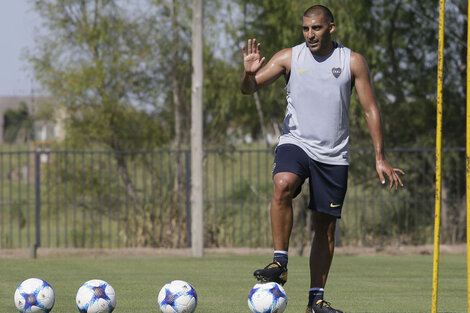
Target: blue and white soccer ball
<point>177,296</point>
<point>96,296</point>
<point>34,295</point>
<point>267,298</point>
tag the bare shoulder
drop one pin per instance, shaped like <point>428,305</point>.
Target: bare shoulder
<point>277,66</point>
<point>358,64</point>
<point>284,54</point>
<point>282,58</point>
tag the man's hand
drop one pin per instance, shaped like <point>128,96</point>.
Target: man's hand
<point>383,168</point>
<point>252,60</point>
<point>255,76</point>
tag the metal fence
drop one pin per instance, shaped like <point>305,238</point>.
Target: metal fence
<point>105,199</point>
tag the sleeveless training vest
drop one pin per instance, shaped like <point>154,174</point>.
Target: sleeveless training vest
<point>318,97</point>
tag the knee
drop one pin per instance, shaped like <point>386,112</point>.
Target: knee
<point>284,188</point>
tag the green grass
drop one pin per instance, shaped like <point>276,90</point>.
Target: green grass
<point>376,283</point>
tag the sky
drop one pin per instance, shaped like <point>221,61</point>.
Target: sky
<point>17,26</point>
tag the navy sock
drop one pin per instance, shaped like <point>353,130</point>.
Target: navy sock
<point>315,294</point>
<point>282,257</point>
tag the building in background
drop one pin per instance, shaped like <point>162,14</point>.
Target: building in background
<point>44,116</point>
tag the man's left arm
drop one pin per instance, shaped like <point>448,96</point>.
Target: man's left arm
<point>365,92</point>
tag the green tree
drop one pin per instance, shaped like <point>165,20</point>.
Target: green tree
<point>18,125</point>
<point>261,21</point>
<point>398,39</point>
<point>97,60</point>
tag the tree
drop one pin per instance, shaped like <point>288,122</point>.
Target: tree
<point>97,61</point>
<point>261,21</point>
<point>399,39</point>
<point>176,57</point>
<point>123,75</point>
<point>18,125</point>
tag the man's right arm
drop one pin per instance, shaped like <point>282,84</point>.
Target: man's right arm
<point>255,76</point>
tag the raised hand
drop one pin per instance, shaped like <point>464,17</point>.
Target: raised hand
<point>252,59</point>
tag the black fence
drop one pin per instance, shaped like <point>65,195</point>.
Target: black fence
<point>105,199</point>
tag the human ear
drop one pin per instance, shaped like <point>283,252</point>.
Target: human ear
<point>332,28</point>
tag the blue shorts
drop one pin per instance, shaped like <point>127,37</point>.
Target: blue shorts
<point>328,183</point>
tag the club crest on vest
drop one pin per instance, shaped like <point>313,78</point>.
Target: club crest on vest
<point>336,71</point>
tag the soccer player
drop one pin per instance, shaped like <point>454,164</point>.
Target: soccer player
<point>320,75</point>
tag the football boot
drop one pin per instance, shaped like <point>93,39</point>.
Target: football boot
<point>274,272</point>
<point>322,307</point>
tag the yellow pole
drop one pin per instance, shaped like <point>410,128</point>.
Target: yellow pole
<point>468,157</point>
<point>437,211</point>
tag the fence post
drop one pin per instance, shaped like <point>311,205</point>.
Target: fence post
<point>197,133</point>
<point>188,198</point>
<point>37,191</point>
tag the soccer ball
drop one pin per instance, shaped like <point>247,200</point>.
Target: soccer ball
<point>177,296</point>
<point>34,295</point>
<point>267,298</point>
<point>96,296</point>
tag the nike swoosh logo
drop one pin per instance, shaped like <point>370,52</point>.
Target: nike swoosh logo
<point>334,205</point>
<point>301,71</point>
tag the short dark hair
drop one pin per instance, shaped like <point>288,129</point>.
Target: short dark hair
<point>316,9</point>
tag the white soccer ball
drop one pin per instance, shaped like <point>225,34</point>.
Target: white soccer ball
<point>177,296</point>
<point>34,295</point>
<point>267,298</point>
<point>96,296</point>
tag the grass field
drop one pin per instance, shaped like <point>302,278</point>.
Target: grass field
<point>377,283</point>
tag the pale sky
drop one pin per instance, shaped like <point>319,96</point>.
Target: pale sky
<point>17,26</point>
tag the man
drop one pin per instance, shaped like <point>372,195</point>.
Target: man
<point>320,74</point>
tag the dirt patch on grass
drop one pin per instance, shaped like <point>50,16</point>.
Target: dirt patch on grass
<point>163,252</point>
<point>403,250</point>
